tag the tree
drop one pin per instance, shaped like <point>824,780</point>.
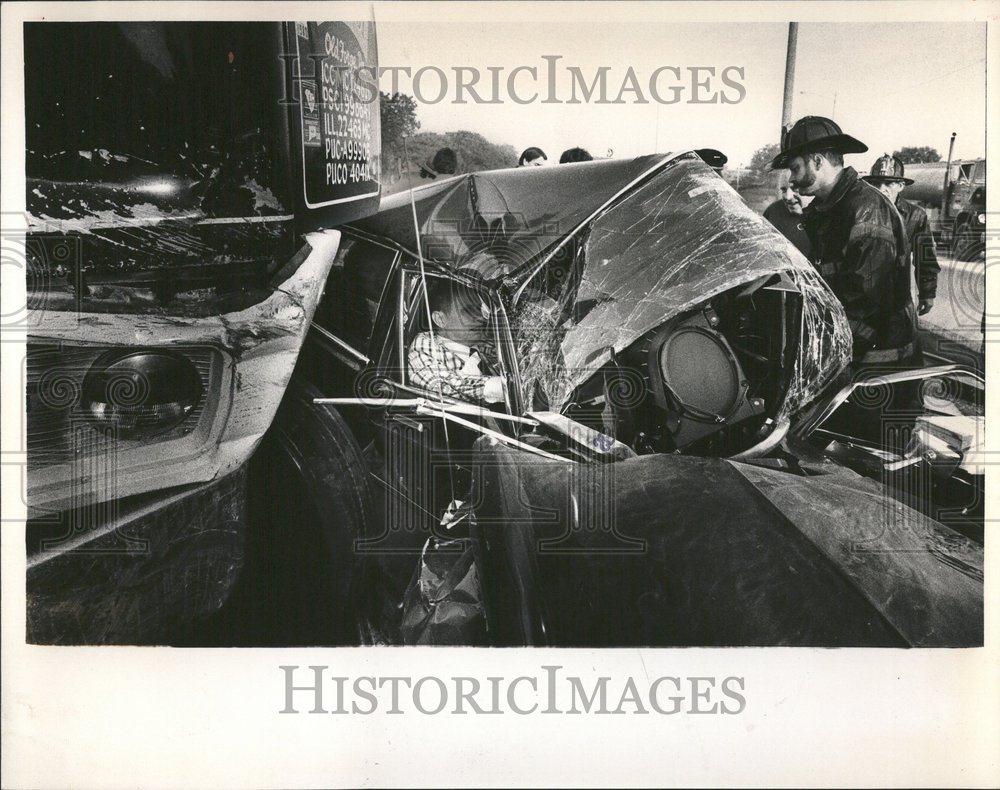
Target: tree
<point>909,154</point>
<point>762,157</point>
<point>400,163</point>
<point>474,151</point>
<point>398,114</point>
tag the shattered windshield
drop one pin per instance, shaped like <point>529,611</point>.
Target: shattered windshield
<point>678,240</point>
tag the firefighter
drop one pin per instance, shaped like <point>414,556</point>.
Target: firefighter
<point>859,247</point>
<point>858,240</point>
<point>887,175</point>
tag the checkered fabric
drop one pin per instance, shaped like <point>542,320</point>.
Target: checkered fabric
<point>448,368</point>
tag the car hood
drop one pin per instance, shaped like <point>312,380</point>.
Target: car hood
<point>673,242</point>
<point>647,552</point>
<point>649,238</point>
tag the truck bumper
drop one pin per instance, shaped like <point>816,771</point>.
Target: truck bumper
<point>151,574</point>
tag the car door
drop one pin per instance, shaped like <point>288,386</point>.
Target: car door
<point>425,437</point>
<point>335,351</point>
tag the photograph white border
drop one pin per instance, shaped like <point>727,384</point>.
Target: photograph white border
<point>160,717</point>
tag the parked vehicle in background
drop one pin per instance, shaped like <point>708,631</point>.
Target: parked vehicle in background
<point>968,240</point>
<point>954,198</point>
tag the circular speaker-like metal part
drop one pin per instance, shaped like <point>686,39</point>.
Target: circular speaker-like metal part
<point>700,371</point>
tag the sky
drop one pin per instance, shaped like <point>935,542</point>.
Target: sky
<point>893,84</point>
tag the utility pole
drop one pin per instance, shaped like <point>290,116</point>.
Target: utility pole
<point>947,179</point>
<point>786,107</point>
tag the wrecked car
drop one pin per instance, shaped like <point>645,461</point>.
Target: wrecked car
<point>177,242</point>
<point>659,470</point>
<point>225,443</point>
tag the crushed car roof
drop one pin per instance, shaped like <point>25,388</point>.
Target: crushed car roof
<point>459,213</point>
<point>658,235</point>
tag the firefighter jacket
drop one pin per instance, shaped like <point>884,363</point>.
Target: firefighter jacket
<point>922,253</point>
<point>859,247</point>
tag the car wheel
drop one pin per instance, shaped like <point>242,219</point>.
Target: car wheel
<point>312,500</point>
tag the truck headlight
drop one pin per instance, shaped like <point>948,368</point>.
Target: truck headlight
<point>141,393</point>
<point>981,219</point>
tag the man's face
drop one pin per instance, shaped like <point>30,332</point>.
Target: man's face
<point>803,175</point>
<point>463,319</point>
<point>536,162</point>
<point>890,189</point>
<point>791,199</point>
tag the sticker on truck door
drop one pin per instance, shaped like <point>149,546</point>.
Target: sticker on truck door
<point>339,106</point>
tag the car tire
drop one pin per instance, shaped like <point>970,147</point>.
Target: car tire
<point>312,499</point>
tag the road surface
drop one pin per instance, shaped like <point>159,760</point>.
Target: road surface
<point>954,324</point>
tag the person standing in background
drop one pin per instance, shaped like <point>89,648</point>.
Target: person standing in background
<point>785,214</point>
<point>575,155</point>
<point>532,157</point>
<point>859,248</point>
<point>444,163</point>
<point>887,176</point>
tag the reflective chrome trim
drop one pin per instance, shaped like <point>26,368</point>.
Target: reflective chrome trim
<point>496,435</point>
<point>765,445</point>
<point>403,403</point>
<point>834,402</point>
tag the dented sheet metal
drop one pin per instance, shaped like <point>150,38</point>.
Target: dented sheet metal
<point>626,246</point>
<point>516,212</point>
<point>676,241</point>
<point>647,551</point>
<point>922,577</point>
